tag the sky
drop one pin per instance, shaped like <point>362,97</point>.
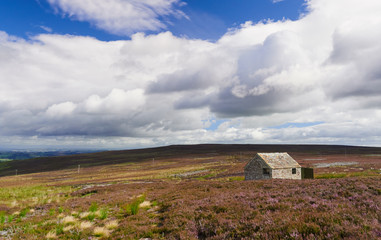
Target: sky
<point>124,74</point>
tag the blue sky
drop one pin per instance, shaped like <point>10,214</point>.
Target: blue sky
<point>207,19</point>
<point>120,74</point>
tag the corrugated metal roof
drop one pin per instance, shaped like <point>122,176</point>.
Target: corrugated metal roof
<point>279,160</point>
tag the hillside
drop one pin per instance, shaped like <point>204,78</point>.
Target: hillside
<point>245,151</point>
<point>192,192</point>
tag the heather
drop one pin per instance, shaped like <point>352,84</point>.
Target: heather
<point>194,196</point>
<point>277,209</point>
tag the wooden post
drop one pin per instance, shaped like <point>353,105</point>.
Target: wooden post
<point>16,172</point>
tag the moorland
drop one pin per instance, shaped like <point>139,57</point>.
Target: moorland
<point>191,192</point>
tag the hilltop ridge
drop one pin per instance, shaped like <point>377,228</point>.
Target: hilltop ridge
<point>43,164</point>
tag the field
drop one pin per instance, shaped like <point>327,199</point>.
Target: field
<point>191,192</point>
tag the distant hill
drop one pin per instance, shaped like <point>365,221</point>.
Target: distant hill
<point>51,163</point>
<point>22,155</point>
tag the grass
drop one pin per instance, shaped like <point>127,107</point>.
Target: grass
<point>31,195</point>
<point>101,232</point>
<point>23,212</point>
<point>209,200</point>
<point>238,178</point>
<point>103,214</point>
<point>132,208</point>
<point>94,207</point>
<point>330,175</point>
<point>2,218</point>
<point>367,173</point>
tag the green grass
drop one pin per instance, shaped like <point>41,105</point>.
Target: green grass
<point>23,212</point>
<point>30,195</point>
<point>103,213</point>
<point>132,208</point>
<point>207,176</point>
<point>2,218</point>
<point>91,217</point>
<point>330,175</point>
<point>60,210</point>
<point>366,173</point>
<point>52,212</point>
<point>238,178</point>
<point>93,207</point>
<point>59,229</point>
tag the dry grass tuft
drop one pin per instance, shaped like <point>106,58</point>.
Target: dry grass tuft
<point>84,215</point>
<point>85,225</point>
<point>145,204</point>
<point>14,204</point>
<point>68,228</point>
<point>112,224</point>
<point>51,235</point>
<point>101,232</point>
<point>69,220</point>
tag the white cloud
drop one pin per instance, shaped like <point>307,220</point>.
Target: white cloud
<point>60,110</point>
<point>121,17</point>
<point>162,89</point>
<point>47,29</point>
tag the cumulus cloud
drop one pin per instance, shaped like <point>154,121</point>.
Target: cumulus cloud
<point>161,89</point>
<point>121,17</point>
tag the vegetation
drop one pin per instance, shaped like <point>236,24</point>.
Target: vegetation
<point>26,196</point>
<point>193,196</point>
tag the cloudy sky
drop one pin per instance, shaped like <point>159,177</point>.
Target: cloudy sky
<point>123,74</point>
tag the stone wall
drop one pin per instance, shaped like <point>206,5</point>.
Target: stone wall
<point>286,173</point>
<point>254,169</point>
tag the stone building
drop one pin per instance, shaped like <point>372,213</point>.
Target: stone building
<point>272,165</point>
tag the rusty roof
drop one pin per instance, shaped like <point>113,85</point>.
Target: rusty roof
<point>279,160</point>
